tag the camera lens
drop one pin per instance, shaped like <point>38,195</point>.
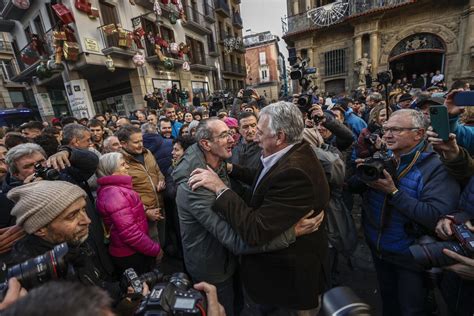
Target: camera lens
<point>431,254</point>
<point>152,277</point>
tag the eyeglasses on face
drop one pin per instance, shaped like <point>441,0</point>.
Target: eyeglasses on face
<point>396,130</point>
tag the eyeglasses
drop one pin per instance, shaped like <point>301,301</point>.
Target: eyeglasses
<point>397,130</point>
<point>224,135</point>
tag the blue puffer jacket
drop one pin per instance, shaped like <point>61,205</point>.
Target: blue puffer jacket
<point>426,192</point>
<point>161,149</point>
<point>354,122</point>
<point>466,203</point>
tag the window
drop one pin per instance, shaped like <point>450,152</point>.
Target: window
<point>335,62</point>
<point>196,55</point>
<point>264,74</point>
<point>263,58</point>
<point>108,13</point>
<point>149,26</point>
<point>167,34</point>
<point>53,18</point>
<point>211,45</point>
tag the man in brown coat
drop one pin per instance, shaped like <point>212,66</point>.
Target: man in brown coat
<point>147,178</point>
<point>290,183</point>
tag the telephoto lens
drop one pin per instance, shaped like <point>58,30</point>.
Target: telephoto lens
<point>342,301</point>
<point>429,253</point>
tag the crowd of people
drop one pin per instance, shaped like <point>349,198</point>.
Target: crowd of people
<point>255,199</point>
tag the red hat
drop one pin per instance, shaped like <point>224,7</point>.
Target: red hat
<point>231,122</point>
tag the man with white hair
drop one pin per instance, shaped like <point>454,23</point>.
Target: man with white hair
<point>290,183</point>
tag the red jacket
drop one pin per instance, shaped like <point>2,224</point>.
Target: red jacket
<point>123,213</point>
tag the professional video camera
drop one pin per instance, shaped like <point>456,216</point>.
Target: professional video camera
<point>169,295</point>
<point>384,78</point>
<point>46,173</point>
<point>34,272</point>
<point>301,73</point>
<point>372,168</point>
<point>429,252</point>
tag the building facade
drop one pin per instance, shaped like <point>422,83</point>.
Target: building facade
<point>232,50</point>
<point>263,64</point>
<point>404,36</point>
<point>89,52</point>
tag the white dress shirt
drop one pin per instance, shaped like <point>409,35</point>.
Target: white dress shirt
<point>270,161</point>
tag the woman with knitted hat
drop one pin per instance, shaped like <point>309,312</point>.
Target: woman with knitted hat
<point>124,215</point>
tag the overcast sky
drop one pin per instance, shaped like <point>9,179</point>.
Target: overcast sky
<point>264,15</point>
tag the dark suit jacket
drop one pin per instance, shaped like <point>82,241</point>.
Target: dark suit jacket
<point>292,277</point>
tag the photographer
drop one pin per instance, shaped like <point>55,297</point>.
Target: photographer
<point>400,207</point>
<point>336,134</point>
<point>457,290</point>
<point>370,139</point>
<point>53,212</point>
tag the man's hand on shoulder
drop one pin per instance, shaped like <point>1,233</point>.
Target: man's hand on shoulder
<point>59,160</point>
<point>206,178</point>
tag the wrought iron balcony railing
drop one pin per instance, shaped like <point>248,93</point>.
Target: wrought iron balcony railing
<point>336,12</point>
<point>35,50</point>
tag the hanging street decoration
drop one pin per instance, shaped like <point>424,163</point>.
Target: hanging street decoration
<point>63,13</point>
<point>329,14</point>
<point>186,66</point>
<point>232,43</point>
<point>138,59</point>
<point>109,63</point>
<point>86,7</point>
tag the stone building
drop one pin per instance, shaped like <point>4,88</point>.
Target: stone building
<point>405,36</point>
<point>262,60</point>
<point>97,70</point>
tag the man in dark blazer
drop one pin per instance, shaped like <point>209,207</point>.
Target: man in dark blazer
<point>290,183</point>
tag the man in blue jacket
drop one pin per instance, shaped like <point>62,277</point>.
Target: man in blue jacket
<point>401,207</point>
<point>170,114</point>
<point>355,123</point>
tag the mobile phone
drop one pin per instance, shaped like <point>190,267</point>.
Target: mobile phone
<point>440,121</point>
<point>464,98</point>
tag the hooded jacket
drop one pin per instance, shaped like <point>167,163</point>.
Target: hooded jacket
<point>123,213</point>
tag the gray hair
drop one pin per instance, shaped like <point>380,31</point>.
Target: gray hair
<point>149,128</point>
<point>108,164</point>
<point>285,117</point>
<point>193,124</point>
<point>203,131</point>
<point>20,151</point>
<point>73,130</point>
<point>376,97</point>
<point>418,119</point>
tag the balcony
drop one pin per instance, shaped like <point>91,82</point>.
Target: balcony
<point>233,69</point>
<point>195,21</point>
<point>11,12</point>
<point>114,46</point>
<point>151,56</point>
<point>309,20</point>
<point>148,4</point>
<point>209,12</point>
<point>6,25</point>
<point>200,63</point>
<point>237,20</point>
<point>6,47</point>
<point>222,7</point>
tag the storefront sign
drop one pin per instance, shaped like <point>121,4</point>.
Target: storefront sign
<point>44,104</point>
<point>91,45</point>
<point>80,101</point>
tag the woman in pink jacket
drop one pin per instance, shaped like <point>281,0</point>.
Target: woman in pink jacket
<point>124,215</point>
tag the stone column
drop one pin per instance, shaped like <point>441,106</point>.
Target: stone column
<point>374,52</point>
<point>467,64</point>
<point>357,48</point>
<point>308,5</point>
<point>296,8</point>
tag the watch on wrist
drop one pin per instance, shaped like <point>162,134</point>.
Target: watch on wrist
<point>392,194</point>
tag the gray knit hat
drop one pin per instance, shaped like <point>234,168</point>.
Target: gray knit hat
<point>38,203</point>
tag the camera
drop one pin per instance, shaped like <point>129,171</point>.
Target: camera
<point>131,279</point>
<point>46,173</point>
<point>384,78</point>
<point>372,168</point>
<point>174,297</point>
<point>429,252</point>
<point>342,301</point>
<point>34,272</point>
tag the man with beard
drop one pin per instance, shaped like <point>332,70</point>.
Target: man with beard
<point>51,213</point>
<point>97,134</point>
<point>170,114</point>
<point>166,128</point>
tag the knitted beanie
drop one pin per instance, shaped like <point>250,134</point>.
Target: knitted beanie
<point>38,203</point>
